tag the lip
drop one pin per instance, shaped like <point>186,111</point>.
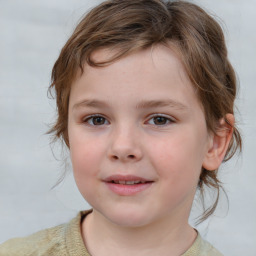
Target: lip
<point>124,189</point>
<point>126,178</point>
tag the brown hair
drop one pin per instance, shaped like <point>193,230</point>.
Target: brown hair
<point>127,26</point>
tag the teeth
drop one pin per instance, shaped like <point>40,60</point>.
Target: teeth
<point>130,182</point>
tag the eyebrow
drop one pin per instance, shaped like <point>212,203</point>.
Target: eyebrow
<point>162,103</point>
<point>90,103</point>
<point>141,105</point>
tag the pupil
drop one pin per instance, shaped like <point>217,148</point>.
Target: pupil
<point>98,120</point>
<point>160,120</point>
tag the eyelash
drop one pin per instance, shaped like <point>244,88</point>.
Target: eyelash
<point>168,119</point>
<point>89,120</point>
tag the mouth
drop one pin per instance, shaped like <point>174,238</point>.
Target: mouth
<point>130,182</point>
<point>127,180</point>
<point>127,185</point>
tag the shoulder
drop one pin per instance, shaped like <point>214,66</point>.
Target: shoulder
<point>208,249</point>
<point>202,248</point>
<point>41,243</point>
<point>62,240</point>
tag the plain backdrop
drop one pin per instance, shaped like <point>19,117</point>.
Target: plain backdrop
<point>32,34</point>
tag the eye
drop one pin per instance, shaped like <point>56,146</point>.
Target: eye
<point>160,120</point>
<point>96,120</point>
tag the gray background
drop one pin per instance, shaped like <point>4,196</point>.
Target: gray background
<point>32,34</point>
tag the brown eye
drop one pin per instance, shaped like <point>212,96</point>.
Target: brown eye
<point>96,120</point>
<point>160,120</point>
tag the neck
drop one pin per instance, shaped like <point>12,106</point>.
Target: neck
<point>103,237</point>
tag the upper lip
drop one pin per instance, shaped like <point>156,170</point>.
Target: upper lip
<point>119,177</point>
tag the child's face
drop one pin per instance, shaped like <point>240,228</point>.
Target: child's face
<point>137,119</point>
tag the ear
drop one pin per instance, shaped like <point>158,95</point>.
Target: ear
<point>219,143</point>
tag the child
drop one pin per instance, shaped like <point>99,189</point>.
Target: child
<point>145,96</point>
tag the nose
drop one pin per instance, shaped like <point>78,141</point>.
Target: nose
<point>125,146</point>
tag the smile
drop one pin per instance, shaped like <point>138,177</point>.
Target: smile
<point>127,185</point>
<point>128,182</point>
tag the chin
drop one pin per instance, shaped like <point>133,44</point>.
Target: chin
<point>129,222</point>
<point>127,217</point>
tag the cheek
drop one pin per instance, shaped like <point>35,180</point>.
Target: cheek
<point>85,153</point>
<point>179,158</point>
<point>85,163</point>
<point>178,164</point>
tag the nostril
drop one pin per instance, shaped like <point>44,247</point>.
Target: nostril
<point>123,157</point>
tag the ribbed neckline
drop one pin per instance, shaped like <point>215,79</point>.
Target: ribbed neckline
<point>194,250</point>
<point>73,238</point>
<point>75,244</point>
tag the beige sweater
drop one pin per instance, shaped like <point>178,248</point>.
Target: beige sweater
<point>66,240</point>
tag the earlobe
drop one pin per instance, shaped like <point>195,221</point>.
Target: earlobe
<point>219,143</point>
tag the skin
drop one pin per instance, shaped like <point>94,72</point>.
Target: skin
<point>128,138</point>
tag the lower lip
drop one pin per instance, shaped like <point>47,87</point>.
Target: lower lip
<point>128,190</point>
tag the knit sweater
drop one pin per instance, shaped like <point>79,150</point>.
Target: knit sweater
<point>66,240</point>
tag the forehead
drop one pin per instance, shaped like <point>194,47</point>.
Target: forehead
<point>162,58</point>
<point>163,51</point>
<point>154,72</point>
